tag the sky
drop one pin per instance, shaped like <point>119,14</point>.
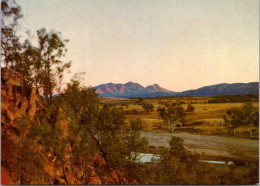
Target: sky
<point>179,44</point>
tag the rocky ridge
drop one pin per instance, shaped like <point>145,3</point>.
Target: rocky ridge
<point>130,90</point>
<point>20,105</point>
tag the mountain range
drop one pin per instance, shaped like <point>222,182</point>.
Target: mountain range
<point>132,89</point>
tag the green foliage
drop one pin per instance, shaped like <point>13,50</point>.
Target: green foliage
<point>162,112</point>
<point>51,50</point>
<point>234,98</point>
<point>229,112</point>
<point>256,119</point>
<point>91,131</point>
<point>44,137</point>
<point>173,163</point>
<point>134,112</point>
<point>148,107</point>
<point>241,117</point>
<point>41,66</point>
<point>181,102</point>
<point>161,102</point>
<point>190,108</point>
<point>176,147</point>
<point>172,114</point>
<point>10,45</point>
<point>139,101</point>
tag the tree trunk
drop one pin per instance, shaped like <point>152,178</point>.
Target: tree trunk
<point>234,131</point>
<point>171,126</point>
<point>251,134</point>
<point>64,174</point>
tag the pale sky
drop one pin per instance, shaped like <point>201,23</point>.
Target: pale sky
<point>179,44</point>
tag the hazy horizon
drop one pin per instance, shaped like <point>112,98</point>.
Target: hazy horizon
<point>179,45</point>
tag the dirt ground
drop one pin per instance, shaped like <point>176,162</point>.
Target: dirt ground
<point>217,146</point>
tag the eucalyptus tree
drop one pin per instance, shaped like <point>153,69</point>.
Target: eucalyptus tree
<point>244,116</point>
<point>51,48</point>
<point>10,45</point>
<point>172,115</point>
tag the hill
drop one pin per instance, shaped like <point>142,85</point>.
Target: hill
<point>224,89</point>
<point>131,89</point>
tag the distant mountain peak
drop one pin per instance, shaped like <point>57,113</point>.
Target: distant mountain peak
<point>112,89</point>
<point>131,89</point>
<point>130,82</point>
<point>156,88</point>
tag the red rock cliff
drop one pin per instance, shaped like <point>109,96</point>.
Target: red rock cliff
<point>20,105</point>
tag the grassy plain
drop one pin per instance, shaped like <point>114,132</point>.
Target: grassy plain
<point>207,118</point>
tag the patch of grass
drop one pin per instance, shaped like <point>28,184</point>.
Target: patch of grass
<point>207,118</point>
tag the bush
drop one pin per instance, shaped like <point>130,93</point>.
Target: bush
<point>148,107</point>
<point>139,101</point>
<point>228,112</point>
<point>134,111</point>
<point>190,108</point>
<point>241,117</point>
<point>161,102</point>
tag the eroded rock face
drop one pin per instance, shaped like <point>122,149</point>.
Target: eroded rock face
<point>32,104</point>
<point>17,102</point>
<point>10,77</point>
<point>19,105</point>
<point>62,122</point>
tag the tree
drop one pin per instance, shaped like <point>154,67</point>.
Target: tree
<point>176,147</point>
<point>190,108</point>
<point>171,115</point>
<point>241,117</point>
<point>148,107</point>
<point>92,131</point>
<point>162,112</point>
<point>139,101</point>
<point>173,162</point>
<point>112,138</point>
<point>51,50</point>
<point>256,119</point>
<point>29,59</point>
<point>10,46</point>
<point>41,66</point>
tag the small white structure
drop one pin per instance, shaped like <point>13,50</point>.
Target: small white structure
<point>213,162</point>
<point>229,163</point>
<point>145,157</point>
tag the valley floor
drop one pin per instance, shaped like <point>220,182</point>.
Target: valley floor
<point>214,146</point>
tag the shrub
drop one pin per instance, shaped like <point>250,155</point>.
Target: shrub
<point>148,107</point>
<point>190,108</point>
<point>134,111</point>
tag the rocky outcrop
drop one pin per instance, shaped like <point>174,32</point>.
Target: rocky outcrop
<point>10,77</point>
<point>130,89</point>
<point>17,100</point>
<point>18,103</point>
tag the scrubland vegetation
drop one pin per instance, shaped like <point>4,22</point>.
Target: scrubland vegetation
<point>200,116</point>
<point>195,115</point>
